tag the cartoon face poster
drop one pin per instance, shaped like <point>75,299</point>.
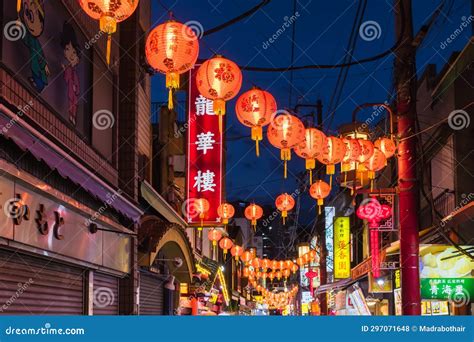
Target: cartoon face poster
<point>51,58</point>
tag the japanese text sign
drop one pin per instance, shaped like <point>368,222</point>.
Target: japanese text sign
<point>204,156</point>
<point>342,249</point>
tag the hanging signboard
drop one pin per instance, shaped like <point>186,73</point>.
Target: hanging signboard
<point>204,157</point>
<point>342,248</point>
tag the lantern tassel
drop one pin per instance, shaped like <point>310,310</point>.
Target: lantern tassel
<point>170,99</point>
<point>345,177</point>
<point>257,149</point>
<point>18,7</point>
<point>283,218</point>
<point>109,48</point>
<point>220,123</point>
<point>330,181</point>
<point>284,170</point>
<point>310,176</point>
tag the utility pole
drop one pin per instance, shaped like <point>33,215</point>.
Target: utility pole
<point>408,188</point>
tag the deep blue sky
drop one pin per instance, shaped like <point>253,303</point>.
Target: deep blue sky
<point>322,33</point>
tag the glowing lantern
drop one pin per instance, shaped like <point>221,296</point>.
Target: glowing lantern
<point>333,152</point>
<point>172,48</point>
<point>300,261</point>
<point>294,268</point>
<point>225,211</point>
<point>109,13</point>
<point>245,272</point>
<point>274,265</point>
<point>366,150</point>
<point>253,212</point>
<point>225,244</point>
<point>313,254</point>
<point>288,264</point>
<point>375,163</point>
<point>246,256</point>
<point>387,146</point>
<point>281,265</point>
<point>353,151</point>
<point>311,148</point>
<point>214,235</point>
<point>278,275</point>
<point>374,213</point>
<point>254,109</point>
<point>266,264</point>
<point>285,132</point>
<point>256,263</point>
<point>258,275</point>
<point>219,79</point>
<point>271,276</point>
<point>307,258</point>
<point>286,273</point>
<point>201,205</point>
<point>284,203</point>
<point>236,252</point>
<point>319,191</point>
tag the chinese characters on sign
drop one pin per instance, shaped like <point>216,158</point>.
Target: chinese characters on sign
<point>447,288</point>
<point>205,154</point>
<point>342,249</point>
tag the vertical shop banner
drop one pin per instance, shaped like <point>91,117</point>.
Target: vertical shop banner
<point>342,248</point>
<point>204,157</point>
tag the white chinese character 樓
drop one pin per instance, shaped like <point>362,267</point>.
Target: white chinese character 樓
<point>204,142</point>
<point>204,181</point>
<point>434,289</point>
<point>204,106</point>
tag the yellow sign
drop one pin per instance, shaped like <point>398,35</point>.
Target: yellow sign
<point>342,248</point>
<point>397,279</point>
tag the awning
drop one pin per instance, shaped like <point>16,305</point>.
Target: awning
<point>160,204</point>
<point>334,286</point>
<point>27,138</point>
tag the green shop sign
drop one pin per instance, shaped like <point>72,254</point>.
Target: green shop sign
<point>456,289</point>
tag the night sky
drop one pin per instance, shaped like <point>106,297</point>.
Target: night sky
<point>322,34</point>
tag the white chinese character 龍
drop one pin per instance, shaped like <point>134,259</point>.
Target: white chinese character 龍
<point>204,142</point>
<point>204,181</point>
<point>204,106</point>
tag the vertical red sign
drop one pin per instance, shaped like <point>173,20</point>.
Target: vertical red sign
<point>204,158</point>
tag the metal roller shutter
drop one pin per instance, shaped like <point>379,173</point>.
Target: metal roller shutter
<point>33,286</point>
<point>151,295</point>
<point>106,294</point>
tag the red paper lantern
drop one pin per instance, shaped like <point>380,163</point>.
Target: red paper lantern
<point>281,265</point>
<point>387,146</point>
<point>109,13</point>
<point>254,109</point>
<point>294,268</point>
<point>284,203</point>
<point>285,132</point>
<point>366,150</point>
<point>256,263</point>
<point>219,79</point>
<point>245,272</point>
<point>253,212</point>
<point>311,148</point>
<point>225,244</point>
<point>319,191</point>
<point>172,48</point>
<point>266,264</point>
<point>236,252</point>
<point>271,276</point>
<point>214,235</point>
<point>225,211</point>
<point>300,261</point>
<point>286,273</point>
<point>288,264</point>
<point>353,151</point>
<point>333,152</point>
<point>246,256</point>
<point>375,163</point>
<point>274,265</point>
<point>201,206</point>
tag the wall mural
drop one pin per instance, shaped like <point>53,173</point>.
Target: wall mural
<point>53,57</point>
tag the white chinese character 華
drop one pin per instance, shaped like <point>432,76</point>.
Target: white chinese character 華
<point>204,142</point>
<point>204,181</point>
<point>204,106</point>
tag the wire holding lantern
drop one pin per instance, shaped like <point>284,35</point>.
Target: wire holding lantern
<point>219,79</point>
<point>109,15</point>
<point>254,109</point>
